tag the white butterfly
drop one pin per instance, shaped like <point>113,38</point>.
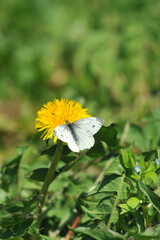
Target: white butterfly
<point>79,134</point>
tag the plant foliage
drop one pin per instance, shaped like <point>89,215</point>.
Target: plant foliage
<point>99,187</point>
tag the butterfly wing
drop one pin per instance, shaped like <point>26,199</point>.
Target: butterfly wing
<point>89,126</point>
<point>79,134</point>
<point>83,141</point>
<point>63,133</point>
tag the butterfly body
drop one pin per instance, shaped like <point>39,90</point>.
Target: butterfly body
<point>79,134</point>
<point>70,126</point>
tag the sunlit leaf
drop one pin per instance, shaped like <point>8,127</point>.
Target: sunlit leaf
<point>131,204</point>
<point>125,158</point>
<point>115,167</point>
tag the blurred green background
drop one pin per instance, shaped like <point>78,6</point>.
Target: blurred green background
<point>104,54</point>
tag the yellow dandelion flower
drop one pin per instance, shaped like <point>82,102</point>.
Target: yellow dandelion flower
<point>56,113</point>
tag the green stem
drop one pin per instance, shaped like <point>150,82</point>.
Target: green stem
<point>115,203</point>
<point>50,176</point>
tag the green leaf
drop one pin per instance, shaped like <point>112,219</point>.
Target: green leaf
<point>131,204</point>
<point>152,166</point>
<point>108,135</point>
<point>149,156</point>
<point>33,229</point>
<point>21,227</point>
<point>139,221</point>
<point>114,210</point>
<point>109,184</point>
<point>67,155</point>
<point>104,207</point>
<point>96,151</point>
<point>38,174</point>
<point>125,191</point>
<point>154,198</point>
<point>30,205</point>
<point>99,234</point>
<point>8,219</point>
<point>132,158</point>
<point>115,215</point>
<point>97,197</point>
<point>151,177</point>
<point>68,159</point>
<point>13,205</point>
<point>143,164</point>
<point>10,171</point>
<point>124,208</point>
<point>16,210</point>
<point>112,183</point>
<point>50,151</point>
<point>12,166</point>
<point>125,159</point>
<point>115,167</point>
<point>148,234</point>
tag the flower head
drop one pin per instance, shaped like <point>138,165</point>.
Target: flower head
<point>157,162</point>
<point>138,168</point>
<point>56,113</point>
